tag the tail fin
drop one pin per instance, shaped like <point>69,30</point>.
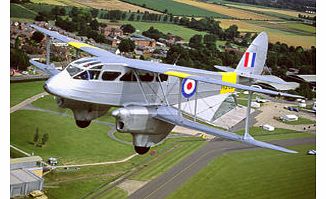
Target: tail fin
<point>253,60</point>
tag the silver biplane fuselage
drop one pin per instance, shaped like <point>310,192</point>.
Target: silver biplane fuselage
<point>101,85</point>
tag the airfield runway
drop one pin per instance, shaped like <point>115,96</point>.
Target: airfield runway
<point>167,183</point>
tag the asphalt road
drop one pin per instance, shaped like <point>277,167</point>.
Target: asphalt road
<point>179,174</point>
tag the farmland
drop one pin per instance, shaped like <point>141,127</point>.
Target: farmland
<point>177,8</point>
<point>20,11</point>
<point>228,11</point>
<point>275,11</point>
<point>292,33</point>
<point>99,4</point>
<point>255,174</point>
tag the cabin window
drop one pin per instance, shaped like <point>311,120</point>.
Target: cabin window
<point>91,64</point>
<point>128,77</point>
<point>162,77</point>
<point>110,76</point>
<point>84,76</point>
<point>146,77</point>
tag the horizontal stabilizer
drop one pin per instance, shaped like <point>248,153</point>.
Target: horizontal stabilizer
<point>265,78</point>
<point>49,69</point>
<point>170,115</point>
<point>224,68</point>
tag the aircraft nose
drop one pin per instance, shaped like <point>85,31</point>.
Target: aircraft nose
<point>57,84</point>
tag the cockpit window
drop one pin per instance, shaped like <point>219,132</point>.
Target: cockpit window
<point>128,77</point>
<point>110,76</point>
<point>72,70</point>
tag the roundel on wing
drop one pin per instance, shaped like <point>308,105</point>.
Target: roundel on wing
<point>188,87</point>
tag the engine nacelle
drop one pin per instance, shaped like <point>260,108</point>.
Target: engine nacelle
<point>140,122</point>
<point>83,111</point>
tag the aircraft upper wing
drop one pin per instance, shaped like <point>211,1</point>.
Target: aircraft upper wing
<point>170,115</point>
<point>75,43</point>
<point>171,70</point>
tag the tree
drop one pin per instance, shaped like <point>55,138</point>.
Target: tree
<point>126,45</point>
<point>36,136</point>
<point>94,12</point>
<point>45,138</point>
<point>18,59</point>
<point>94,24</point>
<point>37,36</point>
<point>154,33</point>
<point>232,32</point>
<point>196,41</point>
<point>128,28</point>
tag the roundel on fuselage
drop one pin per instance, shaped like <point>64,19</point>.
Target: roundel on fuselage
<point>188,87</point>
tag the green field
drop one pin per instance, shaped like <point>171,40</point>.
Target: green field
<point>66,141</point>
<point>176,8</point>
<point>301,120</point>
<point>24,90</point>
<point>255,174</point>
<point>20,11</point>
<point>171,157</point>
<point>278,134</point>
<point>185,33</point>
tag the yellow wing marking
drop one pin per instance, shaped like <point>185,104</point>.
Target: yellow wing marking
<point>177,74</point>
<point>230,77</point>
<point>78,45</point>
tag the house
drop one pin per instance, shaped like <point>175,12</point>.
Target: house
<point>113,41</point>
<point>112,31</point>
<point>143,41</point>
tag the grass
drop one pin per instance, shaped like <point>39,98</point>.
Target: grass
<point>175,152</point>
<point>48,102</point>
<point>52,2</point>
<point>116,193</point>
<point>89,176</point>
<point>20,11</point>
<point>176,8</point>
<point>21,91</point>
<point>66,141</point>
<point>123,136</point>
<point>278,134</point>
<point>301,120</point>
<point>75,189</point>
<point>255,174</point>
<point>228,11</point>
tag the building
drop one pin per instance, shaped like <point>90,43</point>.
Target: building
<point>113,41</point>
<point>310,79</point>
<point>143,41</point>
<point>276,86</point>
<point>25,175</point>
<point>112,31</point>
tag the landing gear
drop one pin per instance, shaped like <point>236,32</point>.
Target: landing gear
<point>141,150</point>
<point>82,124</point>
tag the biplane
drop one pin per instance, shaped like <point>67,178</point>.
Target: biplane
<point>149,95</point>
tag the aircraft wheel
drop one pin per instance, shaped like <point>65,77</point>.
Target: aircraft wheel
<point>83,124</point>
<point>141,150</point>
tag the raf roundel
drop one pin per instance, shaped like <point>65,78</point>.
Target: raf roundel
<point>188,87</point>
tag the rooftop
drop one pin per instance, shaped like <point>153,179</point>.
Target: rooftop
<point>26,159</point>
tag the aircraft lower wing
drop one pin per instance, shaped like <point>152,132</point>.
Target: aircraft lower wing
<point>49,69</point>
<point>170,115</point>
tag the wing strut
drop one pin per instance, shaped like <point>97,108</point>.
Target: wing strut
<point>246,133</point>
<point>48,49</point>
